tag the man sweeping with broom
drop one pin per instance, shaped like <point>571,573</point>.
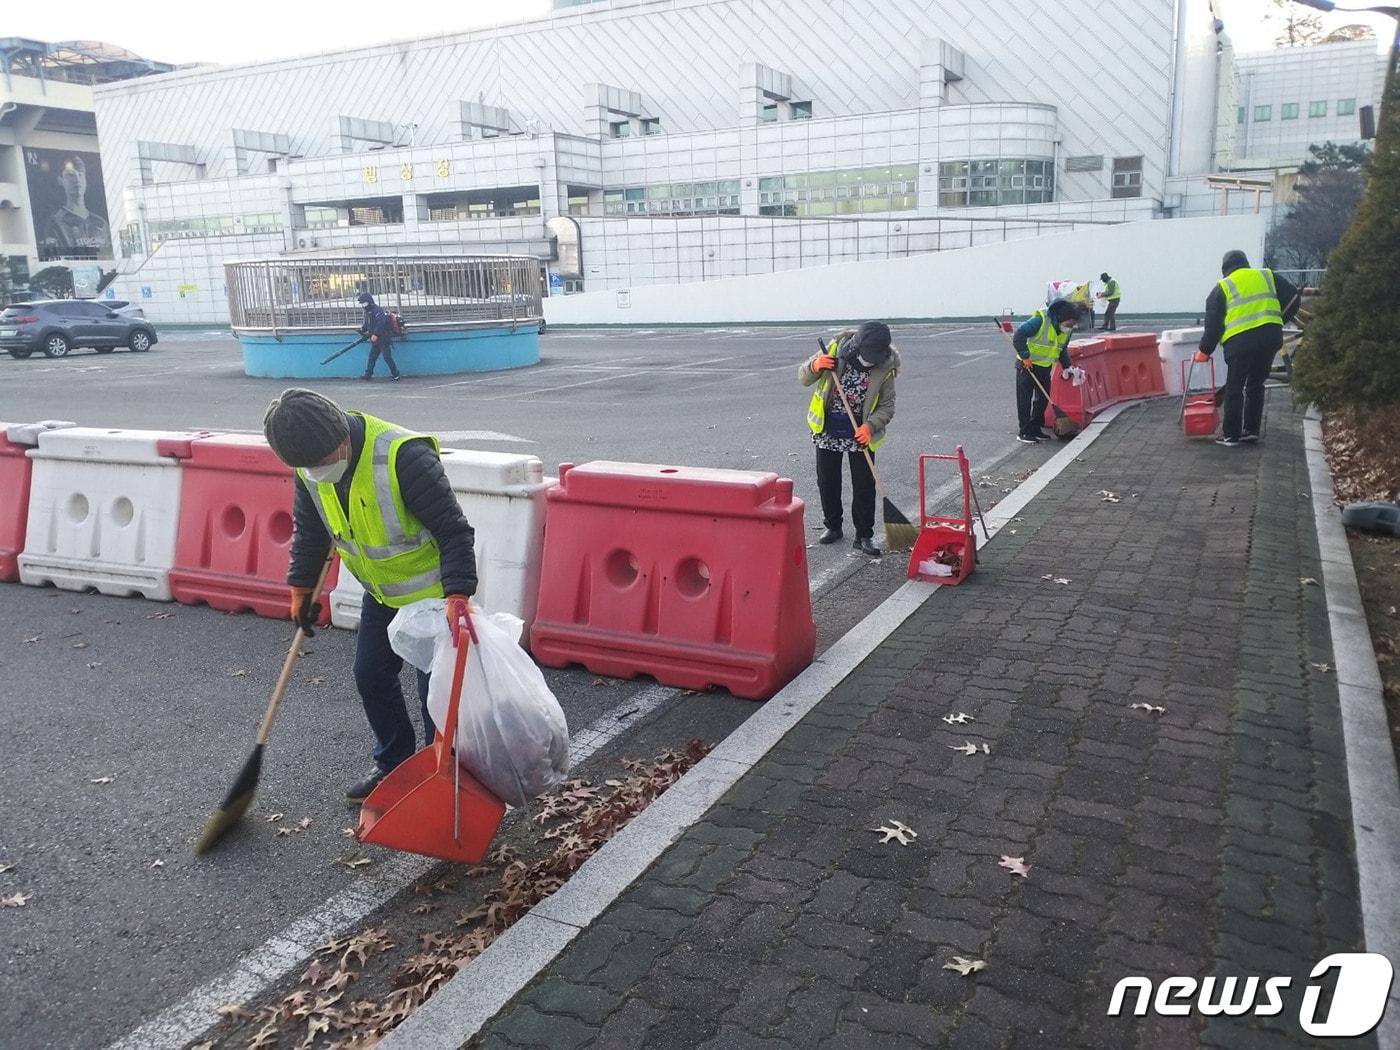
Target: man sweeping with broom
<point>848,415</point>
<point>1041,341</point>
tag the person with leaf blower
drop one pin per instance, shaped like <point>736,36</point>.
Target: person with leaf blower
<point>380,330</point>
<point>865,363</point>
<point>380,494</point>
<point>1243,314</point>
<point>1112,294</point>
<point>1041,341</point>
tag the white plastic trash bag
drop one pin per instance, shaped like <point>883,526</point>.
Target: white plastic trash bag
<point>511,731</point>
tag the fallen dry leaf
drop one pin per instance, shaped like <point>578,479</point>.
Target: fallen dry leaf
<point>234,1012</point>
<point>157,863</point>
<point>957,719</point>
<point>160,616</point>
<point>237,674</point>
<point>1108,497</point>
<point>273,818</point>
<point>354,862</point>
<point>80,645</point>
<point>1150,709</point>
<point>970,748</point>
<point>601,682</point>
<point>349,833</point>
<point>18,900</point>
<point>6,868</point>
<point>102,780</point>
<point>304,823</point>
<point>1015,865</point>
<point>36,638</point>
<point>1062,580</point>
<point>1307,581</point>
<point>317,680</point>
<point>283,831</point>
<point>965,966</point>
<point>897,830</point>
<point>1324,668</point>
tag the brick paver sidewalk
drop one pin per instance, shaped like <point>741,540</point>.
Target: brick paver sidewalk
<point>1211,838</point>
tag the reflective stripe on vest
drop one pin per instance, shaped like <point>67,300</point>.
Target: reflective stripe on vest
<point>816,408</point>
<point>1046,344</point>
<point>1251,301</point>
<point>381,541</point>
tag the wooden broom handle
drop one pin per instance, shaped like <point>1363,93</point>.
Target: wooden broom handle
<point>283,679</point>
<point>879,485</point>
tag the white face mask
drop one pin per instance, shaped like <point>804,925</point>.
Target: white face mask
<point>328,475</point>
<point>1067,327</point>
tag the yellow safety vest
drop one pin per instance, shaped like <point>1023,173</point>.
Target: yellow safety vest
<point>1112,292</point>
<point>1251,301</point>
<point>816,408</point>
<point>1046,344</point>
<point>381,541</point>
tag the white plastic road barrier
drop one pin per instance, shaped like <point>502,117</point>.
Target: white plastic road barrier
<point>1176,345</point>
<point>104,509</point>
<point>503,496</point>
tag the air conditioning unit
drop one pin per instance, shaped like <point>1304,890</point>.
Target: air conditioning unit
<point>307,242</point>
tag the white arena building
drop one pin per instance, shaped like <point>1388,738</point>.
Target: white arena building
<point>636,143</point>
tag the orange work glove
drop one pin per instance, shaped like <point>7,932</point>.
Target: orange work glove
<point>1200,358</point>
<point>1026,364</point>
<point>863,433</point>
<point>374,339</point>
<point>459,616</point>
<point>823,362</point>
<point>305,612</point>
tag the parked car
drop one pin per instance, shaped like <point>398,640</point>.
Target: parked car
<point>56,326</point>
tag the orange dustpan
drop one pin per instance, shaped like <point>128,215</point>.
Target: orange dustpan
<point>428,804</point>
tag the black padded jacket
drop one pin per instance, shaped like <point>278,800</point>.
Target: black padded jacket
<point>426,492</point>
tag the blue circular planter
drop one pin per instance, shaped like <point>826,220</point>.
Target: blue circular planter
<point>430,352</point>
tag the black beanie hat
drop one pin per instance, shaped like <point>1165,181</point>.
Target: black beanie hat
<point>303,427</point>
<point>872,341</point>
<point>1103,277</point>
<point>1233,260</point>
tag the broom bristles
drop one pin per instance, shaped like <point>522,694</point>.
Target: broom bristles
<point>235,803</point>
<point>900,533</point>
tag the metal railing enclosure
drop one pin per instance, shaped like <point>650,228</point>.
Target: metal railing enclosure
<point>281,296</point>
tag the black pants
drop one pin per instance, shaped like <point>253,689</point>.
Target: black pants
<point>377,670</point>
<point>862,491</point>
<point>384,345</point>
<point>1030,402</point>
<point>1244,389</point>
<point>1109,324</point>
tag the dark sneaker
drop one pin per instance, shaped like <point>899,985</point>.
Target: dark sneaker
<point>865,545</point>
<point>366,378</point>
<point>359,791</point>
<point>830,536</point>
<point>398,376</point>
<point>1041,434</point>
<point>1227,442</point>
<point>1027,439</point>
<point>1249,437</point>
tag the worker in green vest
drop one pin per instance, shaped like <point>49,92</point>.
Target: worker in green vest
<point>1110,294</point>
<point>1041,342</point>
<point>380,495</point>
<point>1245,313</point>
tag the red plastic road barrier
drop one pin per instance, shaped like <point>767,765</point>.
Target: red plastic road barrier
<point>235,536</point>
<point>697,577</point>
<point>1134,368</point>
<point>1081,402</point>
<point>15,473</point>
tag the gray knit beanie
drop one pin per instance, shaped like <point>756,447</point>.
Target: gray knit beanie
<point>303,427</point>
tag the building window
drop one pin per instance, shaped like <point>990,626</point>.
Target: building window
<point>987,183</point>
<point>321,218</point>
<point>1263,113</point>
<point>1317,109</point>
<point>620,129</point>
<point>851,191</point>
<point>1346,107</point>
<point>1289,111</point>
<point>651,125</point>
<point>130,237</point>
<point>679,198</point>
<point>800,111</point>
<point>505,202</point>
<point>1127,177</point>
<point>1239,116</point>
<point>578,201</point>
<point>768,114</point>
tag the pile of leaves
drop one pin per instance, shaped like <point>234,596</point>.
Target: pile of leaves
<point>578,819</point>
<point>1363,447</point>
